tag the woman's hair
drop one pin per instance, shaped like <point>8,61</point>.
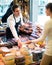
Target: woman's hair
<point>49,6</point>
<point>15,6</point>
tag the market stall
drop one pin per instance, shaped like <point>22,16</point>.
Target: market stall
<point>28,54</point>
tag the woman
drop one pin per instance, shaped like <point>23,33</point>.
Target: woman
<point>47,33</point>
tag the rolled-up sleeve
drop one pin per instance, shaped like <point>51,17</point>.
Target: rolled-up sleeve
<point>12,28</point>
<point>45,32</point>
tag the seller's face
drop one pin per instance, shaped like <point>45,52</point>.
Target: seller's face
<point>17,12</point>
<point>47,12</point>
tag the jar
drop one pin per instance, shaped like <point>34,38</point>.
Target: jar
<point>20,60</point>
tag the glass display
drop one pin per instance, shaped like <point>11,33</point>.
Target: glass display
<point>41,6</point>
<point>4,6</point>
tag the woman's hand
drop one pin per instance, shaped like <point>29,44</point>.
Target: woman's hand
<point>34,41</point>
<point>28,42</point>
<point>43,44</point>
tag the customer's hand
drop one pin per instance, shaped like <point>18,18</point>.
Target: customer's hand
<point>28,42</point>
<point>34,41</point>
<point>21,43</point>
<point>42,45</point>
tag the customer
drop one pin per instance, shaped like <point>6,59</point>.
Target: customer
<point>13,21</point>
<point>47,33</point>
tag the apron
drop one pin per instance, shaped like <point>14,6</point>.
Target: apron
<point>9,34</point>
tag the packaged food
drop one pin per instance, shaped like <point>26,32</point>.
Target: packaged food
<point>28,58</point>
<point>4,50</point>
<point>40,43</point>
<point>9,60</point>
<point>1,56</point>
<point>1,63</point>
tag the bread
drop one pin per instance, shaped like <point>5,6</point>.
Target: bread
<point>31,46</point>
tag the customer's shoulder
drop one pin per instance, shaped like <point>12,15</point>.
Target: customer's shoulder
<point>48,23</point>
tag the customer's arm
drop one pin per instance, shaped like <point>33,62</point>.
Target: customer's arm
<point>44,34</point>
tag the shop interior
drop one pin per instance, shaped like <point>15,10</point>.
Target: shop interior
<point>34,17</point>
